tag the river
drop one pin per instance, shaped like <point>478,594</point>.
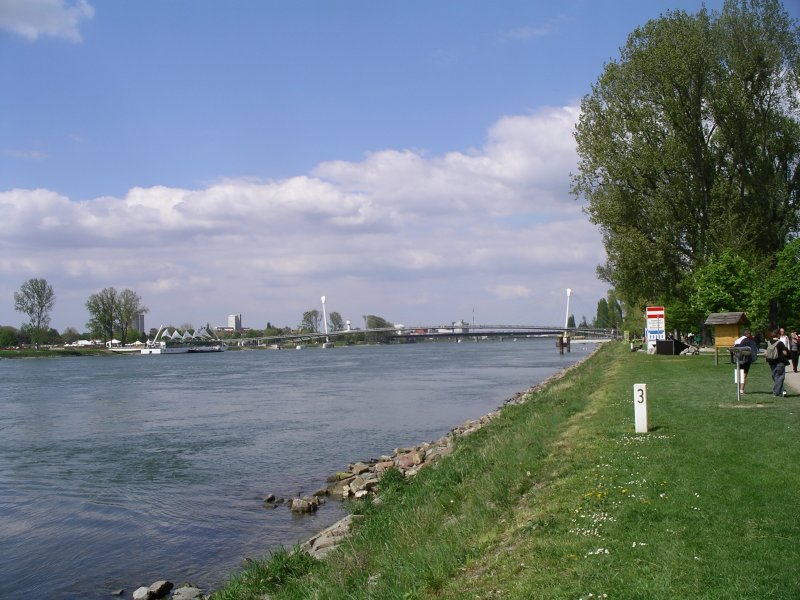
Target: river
<point>116,471</point>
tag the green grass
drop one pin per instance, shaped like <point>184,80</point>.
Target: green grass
<point>559,498</point>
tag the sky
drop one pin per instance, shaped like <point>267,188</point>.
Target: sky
<point>408,159</point>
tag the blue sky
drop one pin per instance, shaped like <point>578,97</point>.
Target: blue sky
<point>407,159</point>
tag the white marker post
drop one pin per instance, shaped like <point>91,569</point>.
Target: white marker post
<point>640,406</point>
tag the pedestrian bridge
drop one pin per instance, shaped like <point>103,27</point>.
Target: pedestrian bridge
<point>432,332</point>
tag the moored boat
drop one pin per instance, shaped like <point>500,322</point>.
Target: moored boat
<point>174,342</point>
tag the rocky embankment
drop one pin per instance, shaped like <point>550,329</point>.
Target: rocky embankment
<point>359,480</point>
<point>362,478</point>
<point>161,589</point>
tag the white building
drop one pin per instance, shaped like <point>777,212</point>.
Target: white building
<point>460,326</point>
<point>235,322</point>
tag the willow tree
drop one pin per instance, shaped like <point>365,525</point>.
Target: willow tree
<point>689,143</point>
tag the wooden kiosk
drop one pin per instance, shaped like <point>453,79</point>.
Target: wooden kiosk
<point>726,327</point>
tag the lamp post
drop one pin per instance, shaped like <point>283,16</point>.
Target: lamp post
<point>327,343</point>
<point>566,319</point>
<point>565,339</point>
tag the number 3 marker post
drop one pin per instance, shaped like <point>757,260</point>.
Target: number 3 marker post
<point>640,406</point>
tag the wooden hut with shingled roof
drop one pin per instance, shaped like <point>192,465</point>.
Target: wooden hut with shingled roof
<point>726,328</point>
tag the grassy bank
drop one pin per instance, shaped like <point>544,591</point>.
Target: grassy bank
<point>54,352</point>
<point>559,498</point>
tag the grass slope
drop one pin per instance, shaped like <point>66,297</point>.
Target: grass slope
<point>559,498</point>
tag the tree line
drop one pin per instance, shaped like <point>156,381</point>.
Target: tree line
<point>112,312</point>
<point>689,146</point>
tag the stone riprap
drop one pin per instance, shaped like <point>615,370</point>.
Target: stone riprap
<point>362,478</point>
<point>162,588</point>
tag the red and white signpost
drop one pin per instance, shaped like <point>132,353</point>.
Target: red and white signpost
<point>656,328</point>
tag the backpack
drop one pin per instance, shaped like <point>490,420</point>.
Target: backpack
<point>771,353</point>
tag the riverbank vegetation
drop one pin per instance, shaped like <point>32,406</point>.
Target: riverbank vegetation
<point>689,162</point>
<point>51,352</point>
<point>559,498</point>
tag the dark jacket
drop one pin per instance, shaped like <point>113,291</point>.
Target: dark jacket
<point>749,342</point>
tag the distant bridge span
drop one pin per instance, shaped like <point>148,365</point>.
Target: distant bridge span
<point>422,332</point>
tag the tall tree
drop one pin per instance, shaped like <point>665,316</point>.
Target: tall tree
<point>102,308</point>
<point>311,321</point>
<point>36,299</point>
<point>785,280</point>
<point>375,322</point>
<point>689,145</point>
<point>8,336</point>
<point>70,335</point>
<point>727,284</point>
<point>601,319</point>
<point>129,305</point>
<point>336,322</point>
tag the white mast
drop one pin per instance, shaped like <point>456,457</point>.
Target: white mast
<point>325,321</point>
<point>566,319</point>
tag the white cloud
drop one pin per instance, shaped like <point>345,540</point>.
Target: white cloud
<point>527,32</point>
<point>412,237</point>
<point>55,18</point>
<point>511,291</point>
<point>26,154</point>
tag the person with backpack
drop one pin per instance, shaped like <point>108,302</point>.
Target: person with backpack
<point>746,341</point>
<point>777,357</point>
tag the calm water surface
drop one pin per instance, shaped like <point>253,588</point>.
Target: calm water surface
<point>118,471</point>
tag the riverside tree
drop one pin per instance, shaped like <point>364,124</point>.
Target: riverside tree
<point>111,311</point>
<point>336,322</point>
<point>689,146</point>
<point>311,321</point>
<point>376,322</point>
<point>36,299</point>
<point>129,305</point>
<point>102,308</point>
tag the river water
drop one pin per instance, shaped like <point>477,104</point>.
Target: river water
<point>116,471</point>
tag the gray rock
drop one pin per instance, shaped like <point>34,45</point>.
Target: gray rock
<point>383,465</point>
<point>325,541</point>
<point>309,504</point>
<point>159,589</point>
<point>188,593</point>
<point>142,593</point>
<point>357,484</point>
<point>359,468</point>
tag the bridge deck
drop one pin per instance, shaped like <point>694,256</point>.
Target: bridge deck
<point>439,331</point>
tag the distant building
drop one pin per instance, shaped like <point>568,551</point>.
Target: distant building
<point>137,323</point>
<point>234,322</point>
<point>460,326</point>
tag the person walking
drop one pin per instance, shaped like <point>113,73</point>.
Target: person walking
<point>794,348</point>
<point>746,341</point>
<point>777,356</point>
<point>783,337</point>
